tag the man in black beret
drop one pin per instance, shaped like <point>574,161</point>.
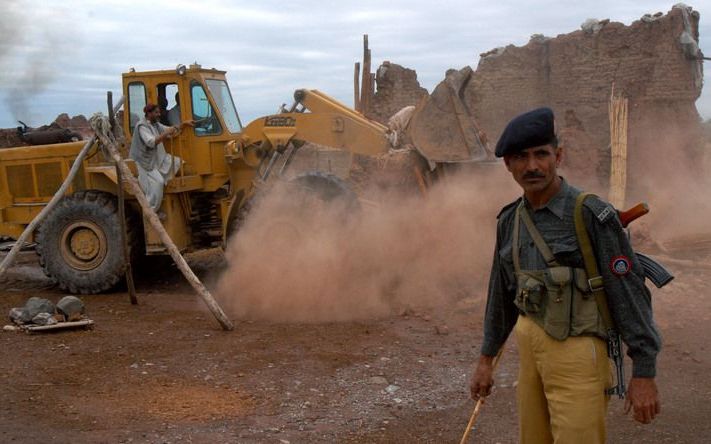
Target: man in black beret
<point>564,301</point>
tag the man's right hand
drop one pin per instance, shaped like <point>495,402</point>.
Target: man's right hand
<point>643,398</point>
<point>168,133</point>
<point>482,379</point>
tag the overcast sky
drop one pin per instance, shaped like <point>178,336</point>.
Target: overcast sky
<point>63,56</point>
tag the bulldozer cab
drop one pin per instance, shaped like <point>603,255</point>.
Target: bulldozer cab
<point>185,94</point>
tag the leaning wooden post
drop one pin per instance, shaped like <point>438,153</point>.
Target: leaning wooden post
<point>122,212</point>
<point>100,125</point>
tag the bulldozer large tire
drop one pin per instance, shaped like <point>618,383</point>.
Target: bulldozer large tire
<point>79,243</point>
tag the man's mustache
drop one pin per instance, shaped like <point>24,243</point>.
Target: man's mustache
<point>534,175</point>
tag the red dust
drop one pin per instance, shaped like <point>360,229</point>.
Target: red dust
<point>315,265</point>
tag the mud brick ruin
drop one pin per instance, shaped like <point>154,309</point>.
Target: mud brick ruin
<point>654,62</point>
<point>397,88</point>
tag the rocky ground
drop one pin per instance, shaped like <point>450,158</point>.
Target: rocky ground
<point>163,372</point>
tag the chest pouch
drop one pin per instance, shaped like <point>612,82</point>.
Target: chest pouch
<point>530,291</point>
<point>559,289</point>
<point>586,317</point>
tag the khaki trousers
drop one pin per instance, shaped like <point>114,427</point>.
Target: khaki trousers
<point>561,387</point>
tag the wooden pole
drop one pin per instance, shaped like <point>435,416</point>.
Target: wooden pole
<point>152,217</point>
<point>365,82</point>
<point>356,87</point>
<point>122,212</point>
<point>10,258</point>
<point>126,251</point>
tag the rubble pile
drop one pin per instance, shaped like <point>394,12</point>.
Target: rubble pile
<point>62,129</point>
<point>39,311</point>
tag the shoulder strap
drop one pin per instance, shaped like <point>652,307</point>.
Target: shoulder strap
<point>522,213</point>
<point>595,282</point>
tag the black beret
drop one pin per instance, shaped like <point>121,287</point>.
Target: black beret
<point>527,130</point>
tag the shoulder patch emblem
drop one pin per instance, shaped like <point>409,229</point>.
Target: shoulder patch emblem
<point>620,265</point>
<point>604,214</point>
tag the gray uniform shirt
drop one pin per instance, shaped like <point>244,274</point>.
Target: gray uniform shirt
<point>629,299</point>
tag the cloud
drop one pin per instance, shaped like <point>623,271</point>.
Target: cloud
<point>269,48</point>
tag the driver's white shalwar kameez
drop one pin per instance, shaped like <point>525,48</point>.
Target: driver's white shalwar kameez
<point>155,166</point>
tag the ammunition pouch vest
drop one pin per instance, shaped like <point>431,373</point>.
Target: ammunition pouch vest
<point>564,301</point>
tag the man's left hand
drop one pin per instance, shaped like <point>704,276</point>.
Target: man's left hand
<point>642,395</point>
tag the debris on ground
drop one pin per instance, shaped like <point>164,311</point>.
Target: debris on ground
<point>39,314</point>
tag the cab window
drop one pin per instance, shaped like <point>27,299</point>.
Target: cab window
<point>136,103</point>
<point>223,100</point>
<point>168,102</point>
<point>206,122</point>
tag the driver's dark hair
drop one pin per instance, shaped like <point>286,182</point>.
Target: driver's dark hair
<point>149,108</point>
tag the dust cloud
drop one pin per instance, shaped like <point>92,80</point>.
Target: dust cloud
<point>296,262</point>
<point>34,42</point>
<point>673,177</point>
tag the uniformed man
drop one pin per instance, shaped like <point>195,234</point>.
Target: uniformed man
<point>539,286</point>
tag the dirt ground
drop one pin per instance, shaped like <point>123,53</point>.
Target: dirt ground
<point>164,372</point>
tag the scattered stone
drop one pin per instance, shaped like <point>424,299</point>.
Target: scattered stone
<point>35,306</point>
<point>71,307</point>
<point>10,328</point>
<point>20,315</point>
<point>392,388</point>
<point>379,380</point>
<point>44,319</point>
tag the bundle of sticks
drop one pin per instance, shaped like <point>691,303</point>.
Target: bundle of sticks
<point>617,110</point>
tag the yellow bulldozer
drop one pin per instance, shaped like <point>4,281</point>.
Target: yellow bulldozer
<point>80,243</point>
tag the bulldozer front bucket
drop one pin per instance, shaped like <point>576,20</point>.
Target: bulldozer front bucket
<point>443,128</point>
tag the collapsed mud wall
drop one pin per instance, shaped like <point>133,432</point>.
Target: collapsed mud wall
<point>653,62</point>
<point>397,87</point>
